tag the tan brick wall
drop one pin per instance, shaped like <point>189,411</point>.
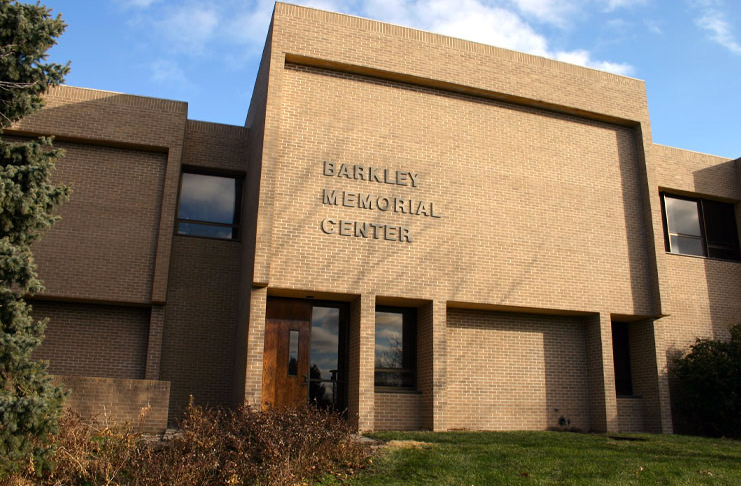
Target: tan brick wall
<point>702,296</point>
<point>695,172</point>
<point>353,372</point>
<point>114,241</point>
<point>650,381</point>
<point>328,37</point>
<point>397,411</point>
<point>580,174</point>
<point>510,371</point>
<point>425,366</point>
<point>600,374</point>
<point>247,376</point>
<point>200,321</point>
<point>630,414</point>
<point>215,146</point>
<point>255,347</point>
<point>133,122</point>
<point>108,228</point>
<point>93,340</point>
<point>543,175</point>
<point>535,167</point>
<point>362,359</point>
<point>366,43</point>
<point>111,401</point>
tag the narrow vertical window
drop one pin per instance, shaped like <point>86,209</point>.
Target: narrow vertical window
<point>292,352</point>
<point>621,359</point>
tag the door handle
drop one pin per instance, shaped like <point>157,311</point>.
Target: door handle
<point>306,380</point>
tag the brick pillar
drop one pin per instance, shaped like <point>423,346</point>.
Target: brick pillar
<point>154,343</point>
<point>255,347</point>
<point>649,374</point>
<point>601,374</point>
<point>440,364</point>
<point>361,394</point>
<point>432,364</point>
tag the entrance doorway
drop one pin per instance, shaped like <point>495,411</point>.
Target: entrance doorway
<point>305,355</point>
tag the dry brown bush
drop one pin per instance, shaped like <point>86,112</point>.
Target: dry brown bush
<point>214,446</point>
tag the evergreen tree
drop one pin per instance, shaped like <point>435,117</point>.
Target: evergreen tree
<point>30,404</point>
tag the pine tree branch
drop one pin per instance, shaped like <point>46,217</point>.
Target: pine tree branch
<point>8,85</point>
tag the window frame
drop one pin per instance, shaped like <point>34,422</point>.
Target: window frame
<point>409,317</point>
<point>703,228</point>
<point>238,202</point>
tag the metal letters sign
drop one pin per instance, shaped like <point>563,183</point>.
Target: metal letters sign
<point>373,202</point>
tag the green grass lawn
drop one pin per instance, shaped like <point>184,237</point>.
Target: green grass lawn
<point>552,458</point>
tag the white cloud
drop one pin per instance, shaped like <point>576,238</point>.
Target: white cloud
<point>489,23</point>
<point>248,26</point>
<point>653,26</point>
<point>718,30</point>
<point>168,72</point>
<point>557,12</point>
<point>189,27</point>
<point>239,28</point>
<point>472,20</point>
<point>582,58</point>
<point>137,3</point>
<point>612,5</point>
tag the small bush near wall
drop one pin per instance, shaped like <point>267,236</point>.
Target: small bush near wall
<point>232,447</point>
<point>708,395</point>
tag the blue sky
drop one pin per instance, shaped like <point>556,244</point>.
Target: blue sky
<point>206,52</point>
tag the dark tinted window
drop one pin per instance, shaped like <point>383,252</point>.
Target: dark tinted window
<point>209,206</point>
<point>700,227</point>
<point>721,230</point>
<point>621,358</point>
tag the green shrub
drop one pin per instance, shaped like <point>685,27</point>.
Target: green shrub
<point>708,391</point>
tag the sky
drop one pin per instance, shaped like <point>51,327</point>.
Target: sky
<point>204,52</point>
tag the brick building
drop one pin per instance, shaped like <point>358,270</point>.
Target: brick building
<point>428,232</point>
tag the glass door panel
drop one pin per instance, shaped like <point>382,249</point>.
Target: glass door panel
<point>326,374</point>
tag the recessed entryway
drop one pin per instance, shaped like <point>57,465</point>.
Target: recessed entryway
<point>305,355</point>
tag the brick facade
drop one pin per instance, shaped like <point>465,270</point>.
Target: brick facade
<point>500,363</point>
<point>93,340</point>
<point>513,200</point>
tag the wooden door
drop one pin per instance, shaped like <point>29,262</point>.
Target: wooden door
<point>285,376</point>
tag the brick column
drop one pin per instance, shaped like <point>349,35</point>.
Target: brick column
<point>255,347</point>
<point>361,390</point>
<point>601,374</point>
<point>432,364</point>
<point>440,364</point>
<point>154,342</point>
<point>662,404</point>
